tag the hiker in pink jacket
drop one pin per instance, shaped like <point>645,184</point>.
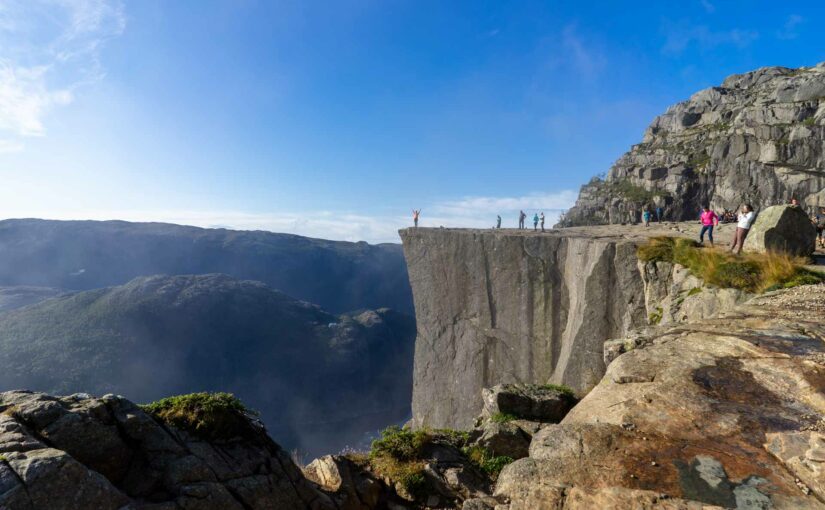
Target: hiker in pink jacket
<point>709,220</point>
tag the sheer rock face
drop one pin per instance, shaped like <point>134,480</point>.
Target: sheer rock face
<point>758,138</point>
<point>106,453</point>
<point>495,307</point>
<point>726,411</point>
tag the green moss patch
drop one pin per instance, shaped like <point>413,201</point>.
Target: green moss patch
<point>208,415</point>
<point>487,462</point>
<point>561,388</point>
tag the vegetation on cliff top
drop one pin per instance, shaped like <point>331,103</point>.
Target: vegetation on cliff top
<point>212,416</point>
<point>400,455</point>
<point>757,272</point>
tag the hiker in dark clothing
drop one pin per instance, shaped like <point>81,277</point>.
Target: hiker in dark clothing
<point>659,214</point>
<point>521,218</point>
<point>498,221</point>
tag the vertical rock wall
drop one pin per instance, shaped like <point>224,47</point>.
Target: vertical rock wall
<point>502,306</point>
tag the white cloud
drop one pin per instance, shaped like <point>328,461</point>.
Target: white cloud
<point>468,212</point>
<point>50,49</point>
<point>679,37</point>
<point>789,29</point>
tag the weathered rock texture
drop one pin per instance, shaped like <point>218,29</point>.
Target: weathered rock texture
<point>758,138</point>
<point>79,452</point>
<point>782,228</point>
<point>727,411</point>
<point>500,306</point>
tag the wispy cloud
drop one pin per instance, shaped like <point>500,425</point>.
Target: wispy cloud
<point>585,58</point>
<point>468,212</point>
<point>789,28</point>
<point>708,6</point>
<point>678,37</point>
<point>50,49</point>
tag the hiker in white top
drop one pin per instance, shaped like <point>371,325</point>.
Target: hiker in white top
<point>743,225</point>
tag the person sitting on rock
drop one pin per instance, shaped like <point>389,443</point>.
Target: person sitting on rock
<point>745,220</point>
<point>535,221</point>
<point>709,220</point>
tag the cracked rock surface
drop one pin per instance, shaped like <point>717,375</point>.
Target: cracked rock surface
<point>727,412</point>
<point>79,452</point>
<point>758,138</point>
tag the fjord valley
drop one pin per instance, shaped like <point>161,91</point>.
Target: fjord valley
<point>99,328</point>
<point>82,255</point>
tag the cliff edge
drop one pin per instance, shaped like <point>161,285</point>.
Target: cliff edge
<point>499,306</point>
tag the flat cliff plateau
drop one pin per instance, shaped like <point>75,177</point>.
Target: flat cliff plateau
<point>499,306</point>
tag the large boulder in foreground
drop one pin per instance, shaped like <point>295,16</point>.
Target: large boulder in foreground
<point>782,228</point>
<point>79,452</point>
<point>727,411</point>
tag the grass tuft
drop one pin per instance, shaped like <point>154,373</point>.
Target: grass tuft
<point>503,417</point>
<point>561,388</point>
<point>757,272</point>
<point>484,460</point>
<point>213,416</point>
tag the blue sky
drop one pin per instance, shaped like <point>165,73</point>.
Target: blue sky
<point>334,119</point>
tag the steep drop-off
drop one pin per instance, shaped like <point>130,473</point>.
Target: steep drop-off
<point>757,138</point>
<point>503,306</point>
<point>303,368</point>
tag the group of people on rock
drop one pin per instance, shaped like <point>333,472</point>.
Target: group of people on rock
<point>744,220</point>
<point>537,218</point>
<point>708,218</point>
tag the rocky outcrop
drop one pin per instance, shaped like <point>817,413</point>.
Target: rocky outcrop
<point>782,228</point>
<point>757,138</point>
<point>80,452</point>
<point>529,402</point>
<point>727,411</point>
<point>500,306</point>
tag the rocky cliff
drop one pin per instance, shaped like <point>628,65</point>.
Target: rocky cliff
<point>79,452</point>
<point>501,306</point>
<point>727,412</point>
<point>757,138</point>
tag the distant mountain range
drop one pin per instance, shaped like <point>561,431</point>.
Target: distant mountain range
<point>313,375</point>
<point>83,255</point>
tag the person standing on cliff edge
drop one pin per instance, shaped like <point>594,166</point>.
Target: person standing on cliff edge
<point>498,221</point>
<point>416,214</point>
<point>541,218</point>
<point>709,220</point>
<point>745,220</point>
<point>521,218</point>
<point>535,221</point>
